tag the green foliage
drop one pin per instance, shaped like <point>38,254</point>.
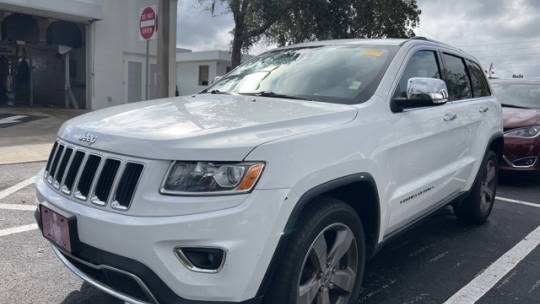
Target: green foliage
<point>293,21</point>
<point>337,19</point>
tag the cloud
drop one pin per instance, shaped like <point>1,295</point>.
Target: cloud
<point>502,32</point>
<point>505,32</point>
<point>199,30</point>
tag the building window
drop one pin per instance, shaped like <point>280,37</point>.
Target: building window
<point>204,71</point>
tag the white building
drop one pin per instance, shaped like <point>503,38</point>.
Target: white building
<point>107,69</point>
<point>196,70</point>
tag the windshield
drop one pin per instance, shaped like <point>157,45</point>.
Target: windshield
<point>519,95</point>
<point>337,74</point>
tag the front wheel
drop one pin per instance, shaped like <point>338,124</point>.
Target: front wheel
<point>477,206</point>
<point>325,259</point>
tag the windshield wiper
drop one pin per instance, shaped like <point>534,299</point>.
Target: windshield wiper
<point>272,95</point>
<point>513,106</point>
<point>205,91</point>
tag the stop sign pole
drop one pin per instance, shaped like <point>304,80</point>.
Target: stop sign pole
<point>147,30</point>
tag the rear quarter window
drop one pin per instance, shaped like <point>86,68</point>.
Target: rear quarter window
<point>478,79</point>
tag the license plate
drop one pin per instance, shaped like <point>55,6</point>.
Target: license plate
<point>58,229</point>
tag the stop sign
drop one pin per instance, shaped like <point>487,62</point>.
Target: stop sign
<point>147,23</point>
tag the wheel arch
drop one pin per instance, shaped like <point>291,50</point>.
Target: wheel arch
<point>496,143</point>
<point>353,189</point>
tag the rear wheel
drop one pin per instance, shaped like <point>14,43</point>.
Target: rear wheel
<point>477,206</point>
<point>325,259</point>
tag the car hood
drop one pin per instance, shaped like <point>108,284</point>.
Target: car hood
<point>202,127</point>
<point>518,118</point>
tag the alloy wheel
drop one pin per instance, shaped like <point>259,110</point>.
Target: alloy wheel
<point>488,186</point>
<point>329,270</point>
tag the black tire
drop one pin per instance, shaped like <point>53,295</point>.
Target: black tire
<point>476,207</point>
<point>301,267</point>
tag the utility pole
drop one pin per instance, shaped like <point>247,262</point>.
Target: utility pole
<point>166,52</point>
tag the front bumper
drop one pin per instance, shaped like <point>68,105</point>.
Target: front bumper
<point>143,247</point>
<point>519,150</point>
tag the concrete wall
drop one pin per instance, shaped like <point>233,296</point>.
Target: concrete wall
<point>114,42</point>
<point>187,76</point>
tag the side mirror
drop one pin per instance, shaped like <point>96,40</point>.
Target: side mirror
<point>422,92</point>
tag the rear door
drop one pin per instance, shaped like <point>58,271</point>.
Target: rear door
<point>468,94</point>
<point>485,111</point>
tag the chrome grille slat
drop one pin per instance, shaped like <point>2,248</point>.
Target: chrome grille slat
<point>68,166</point>
<point>86,181</point>
<point>62,168</point>
<point>54,165</point>
<point>51,157</point>
<point>105,182</point>
<point>126,187</point>
<point>79,174</point>
<point>93,177</point>
<point>116,182</point>
<point>73,172</point>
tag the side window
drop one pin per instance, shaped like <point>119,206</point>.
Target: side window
<point>422,64</point>
<point>478,79</point>
<point>457,79</point>
<point>204,72</point>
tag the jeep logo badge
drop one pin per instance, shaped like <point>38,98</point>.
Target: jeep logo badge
<point>88,138</point>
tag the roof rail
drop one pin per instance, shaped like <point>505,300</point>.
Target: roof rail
<point>429,40</point>
<point>415,38</point>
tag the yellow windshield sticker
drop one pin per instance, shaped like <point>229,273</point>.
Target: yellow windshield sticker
<point>373,53</point>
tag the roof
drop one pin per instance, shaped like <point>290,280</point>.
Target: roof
<point>516,81</point>
<point>386,41</point>
<point>350,42</point>
<point>215,55</point>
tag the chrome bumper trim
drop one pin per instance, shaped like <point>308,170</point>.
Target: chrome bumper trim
<point>100,285</point>
<point>511,165</point>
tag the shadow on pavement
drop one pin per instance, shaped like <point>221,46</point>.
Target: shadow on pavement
<point>440,255</point>
<point>520,179</point>
<point>88,294</point>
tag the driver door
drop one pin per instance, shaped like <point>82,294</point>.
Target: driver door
<point>428,144</point>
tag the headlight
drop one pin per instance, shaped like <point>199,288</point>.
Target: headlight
<point>528,132</point>
<point>211,178</point>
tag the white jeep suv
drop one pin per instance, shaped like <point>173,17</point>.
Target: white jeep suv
<point>278,182</point>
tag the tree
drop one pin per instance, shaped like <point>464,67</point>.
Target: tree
<point>293,21</point>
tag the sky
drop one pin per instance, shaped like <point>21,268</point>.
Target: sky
<point>503,32</point>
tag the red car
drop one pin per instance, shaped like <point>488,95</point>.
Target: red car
<point>521,114</point>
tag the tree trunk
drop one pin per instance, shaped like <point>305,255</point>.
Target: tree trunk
<point>237,44</point>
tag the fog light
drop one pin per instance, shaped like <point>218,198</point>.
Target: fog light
<point>209,260</point>
<point>525,162</point>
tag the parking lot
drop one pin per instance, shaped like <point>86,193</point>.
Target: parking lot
<point>433,262</point>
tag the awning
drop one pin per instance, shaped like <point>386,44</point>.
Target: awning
<point>73,10</point>
<point>64,33</point>
<point>19,27</point>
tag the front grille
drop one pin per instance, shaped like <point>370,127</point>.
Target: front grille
<point>88,176</point>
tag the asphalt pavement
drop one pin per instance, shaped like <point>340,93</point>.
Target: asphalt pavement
<point>439,261</point>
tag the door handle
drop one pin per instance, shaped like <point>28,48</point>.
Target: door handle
<point>449,116</point>
<point>483,109</point>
